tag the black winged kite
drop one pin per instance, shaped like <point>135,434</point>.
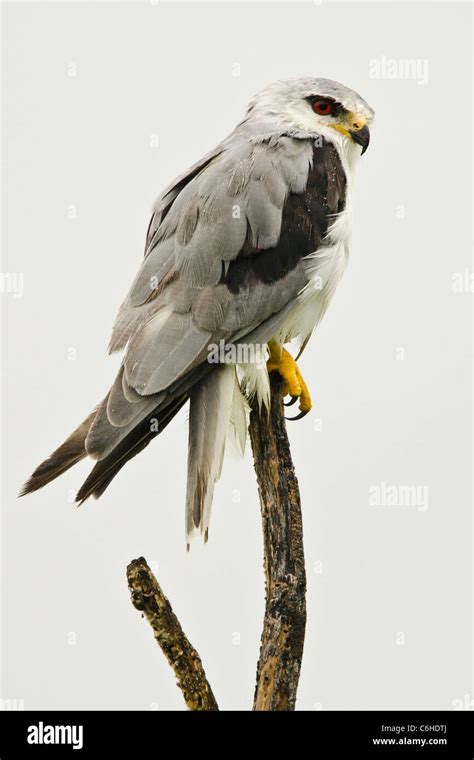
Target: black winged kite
<point>243,250</point>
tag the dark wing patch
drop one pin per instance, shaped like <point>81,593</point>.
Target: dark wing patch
<point>306,217</point>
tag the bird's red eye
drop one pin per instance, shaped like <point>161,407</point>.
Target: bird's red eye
<point>323,107</point>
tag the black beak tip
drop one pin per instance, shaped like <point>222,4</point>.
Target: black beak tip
<point>361,137</point>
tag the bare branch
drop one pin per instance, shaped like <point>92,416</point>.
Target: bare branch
<point>149,599</point>
<point>281,651</point>
<point>283,633</point>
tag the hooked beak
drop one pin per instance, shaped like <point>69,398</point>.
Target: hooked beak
<point>361,137</point>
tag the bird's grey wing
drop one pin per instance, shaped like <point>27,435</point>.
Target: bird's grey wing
<point>246,202</point>
<point>164,201</point>
<point>183,297</point>
<point>226,257</point>
<point>271,269</point>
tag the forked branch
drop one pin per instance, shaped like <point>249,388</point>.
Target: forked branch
<point>284,624</point>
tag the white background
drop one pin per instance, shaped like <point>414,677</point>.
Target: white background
<point>389,601</point>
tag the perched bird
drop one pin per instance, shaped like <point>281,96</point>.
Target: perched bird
<point>243,251</point>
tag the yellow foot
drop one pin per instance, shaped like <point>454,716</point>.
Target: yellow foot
<point>293,384</point>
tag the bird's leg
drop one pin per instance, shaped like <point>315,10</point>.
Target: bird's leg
<point>293,384</point>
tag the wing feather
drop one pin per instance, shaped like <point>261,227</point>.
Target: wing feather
<point>225,260</point>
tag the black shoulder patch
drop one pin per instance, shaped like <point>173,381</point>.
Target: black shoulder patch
<point>305,220</point>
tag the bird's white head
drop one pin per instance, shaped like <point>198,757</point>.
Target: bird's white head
<point>306,107</point>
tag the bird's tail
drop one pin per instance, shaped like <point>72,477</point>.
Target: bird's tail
<point>126,447</point>
<point>216,403</point>
<point>68,454</point>
<point>212,401</point>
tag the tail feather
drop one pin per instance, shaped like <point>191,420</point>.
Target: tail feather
<point>106,469</point>
<point>210,410</point>
<point>216,404</point>
<point>67,455</point>
<point>113,445</point>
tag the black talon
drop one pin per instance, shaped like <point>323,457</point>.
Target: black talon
<point>298,416</point>
<point>294,399</point>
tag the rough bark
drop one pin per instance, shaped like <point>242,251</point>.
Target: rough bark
<point>284,624</point>
<point>149,599</point>
<point>282,640</point>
